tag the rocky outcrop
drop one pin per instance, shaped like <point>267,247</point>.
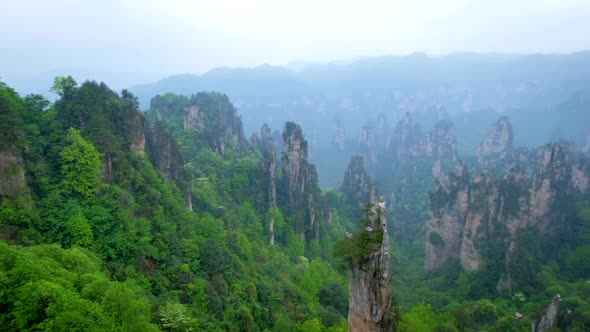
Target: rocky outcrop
<point>482,202</point>
<point>211,115</point>
<point>496,208</point>
<point>163,152</point>
<point>12,174</point>
<point>300,180</point>
<point>296,168</point>
<point>357,185</point>
<point>369,292</point>
<point>407,139</point>
<point>497,144</point>
<point>480,220</point>
<point>446,220</point>
<point>441,145</point>
<point>551,185</point>
<point>269,183</point>
<point>193,117</point>
<point>268,164</point>
<point>220,122</point>
<point>136,132</point>
<point>266,139</point>
<point>549,319</point>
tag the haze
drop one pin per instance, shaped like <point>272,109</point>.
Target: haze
<point>139,41</point>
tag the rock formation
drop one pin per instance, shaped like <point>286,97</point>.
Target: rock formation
<point>136,132</point>
<point>440,146</point>
<point>549,319</point>
<point>369,293</point>
<point>211,115</point>
<point>497,144</point>
<point>469,219</point>
<point>483,194</point>
<point>12,174</point>
<point>268,161</point>
<point>193,117</point>
<point>497,154</point>
<point>357,185</point>
<point>409,164</point>
<point>163,152</point>
<point>299,179</point>
<point>446,221</point>
<point>295,162</point>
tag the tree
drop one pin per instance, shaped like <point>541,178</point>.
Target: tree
<point>11,125</point>
<point>81,166</point>
<point>62,86</point>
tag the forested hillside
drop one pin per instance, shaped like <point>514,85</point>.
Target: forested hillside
<point>112,220</point>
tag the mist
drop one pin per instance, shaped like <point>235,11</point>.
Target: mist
<point>147,40</point>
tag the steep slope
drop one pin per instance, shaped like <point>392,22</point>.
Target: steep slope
<point>369,283</point>
<point>132,223</point>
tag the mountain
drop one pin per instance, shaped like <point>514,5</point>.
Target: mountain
<point>115,219</point>
<point>333,102</point>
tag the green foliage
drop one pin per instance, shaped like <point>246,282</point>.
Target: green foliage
<point>356,250</point>
<point>11,124</point>
<point>63,85</point>
<point>81,166</point>
<point>176,317</point>
<point>436,239</point>
<point>46,287</point>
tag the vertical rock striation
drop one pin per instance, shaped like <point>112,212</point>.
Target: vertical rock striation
<point>481,221</point>
<point>357,185</point>
<point>266,146</point>
<point>300,181</point>
<point>549,319</point>
<point>497,144</point>
<point>446,220</point>
<point>12,174</point>
<point>369,292</point>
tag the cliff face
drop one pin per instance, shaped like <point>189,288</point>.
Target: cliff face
<point>300,179</point>
<point>193,117</point>
<point>472,219</point>
<point>163,152</point>
<point>497,208</point>
<point>215,116</point>
<point>497,144</point>
<point>357,185</point>
<point>369,293</point>
<point>269,179</point>
<point>210,115</point>
<point>409,165</point>
<point>12,174</point>
<point>295,161</point>
<point>446,220</point>
<point>136,132</point>
<point>552,187</point>
<point>482,200</point>
<point>549,319</point>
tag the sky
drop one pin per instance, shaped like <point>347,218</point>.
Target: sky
<point>149,39</point>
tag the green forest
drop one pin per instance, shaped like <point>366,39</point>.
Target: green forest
<point>114,218</point>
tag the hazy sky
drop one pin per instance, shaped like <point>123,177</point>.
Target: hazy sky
<point>157,37</point>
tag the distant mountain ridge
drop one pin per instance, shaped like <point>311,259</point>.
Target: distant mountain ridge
<point>334,101</point>
<point>383,72</point>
